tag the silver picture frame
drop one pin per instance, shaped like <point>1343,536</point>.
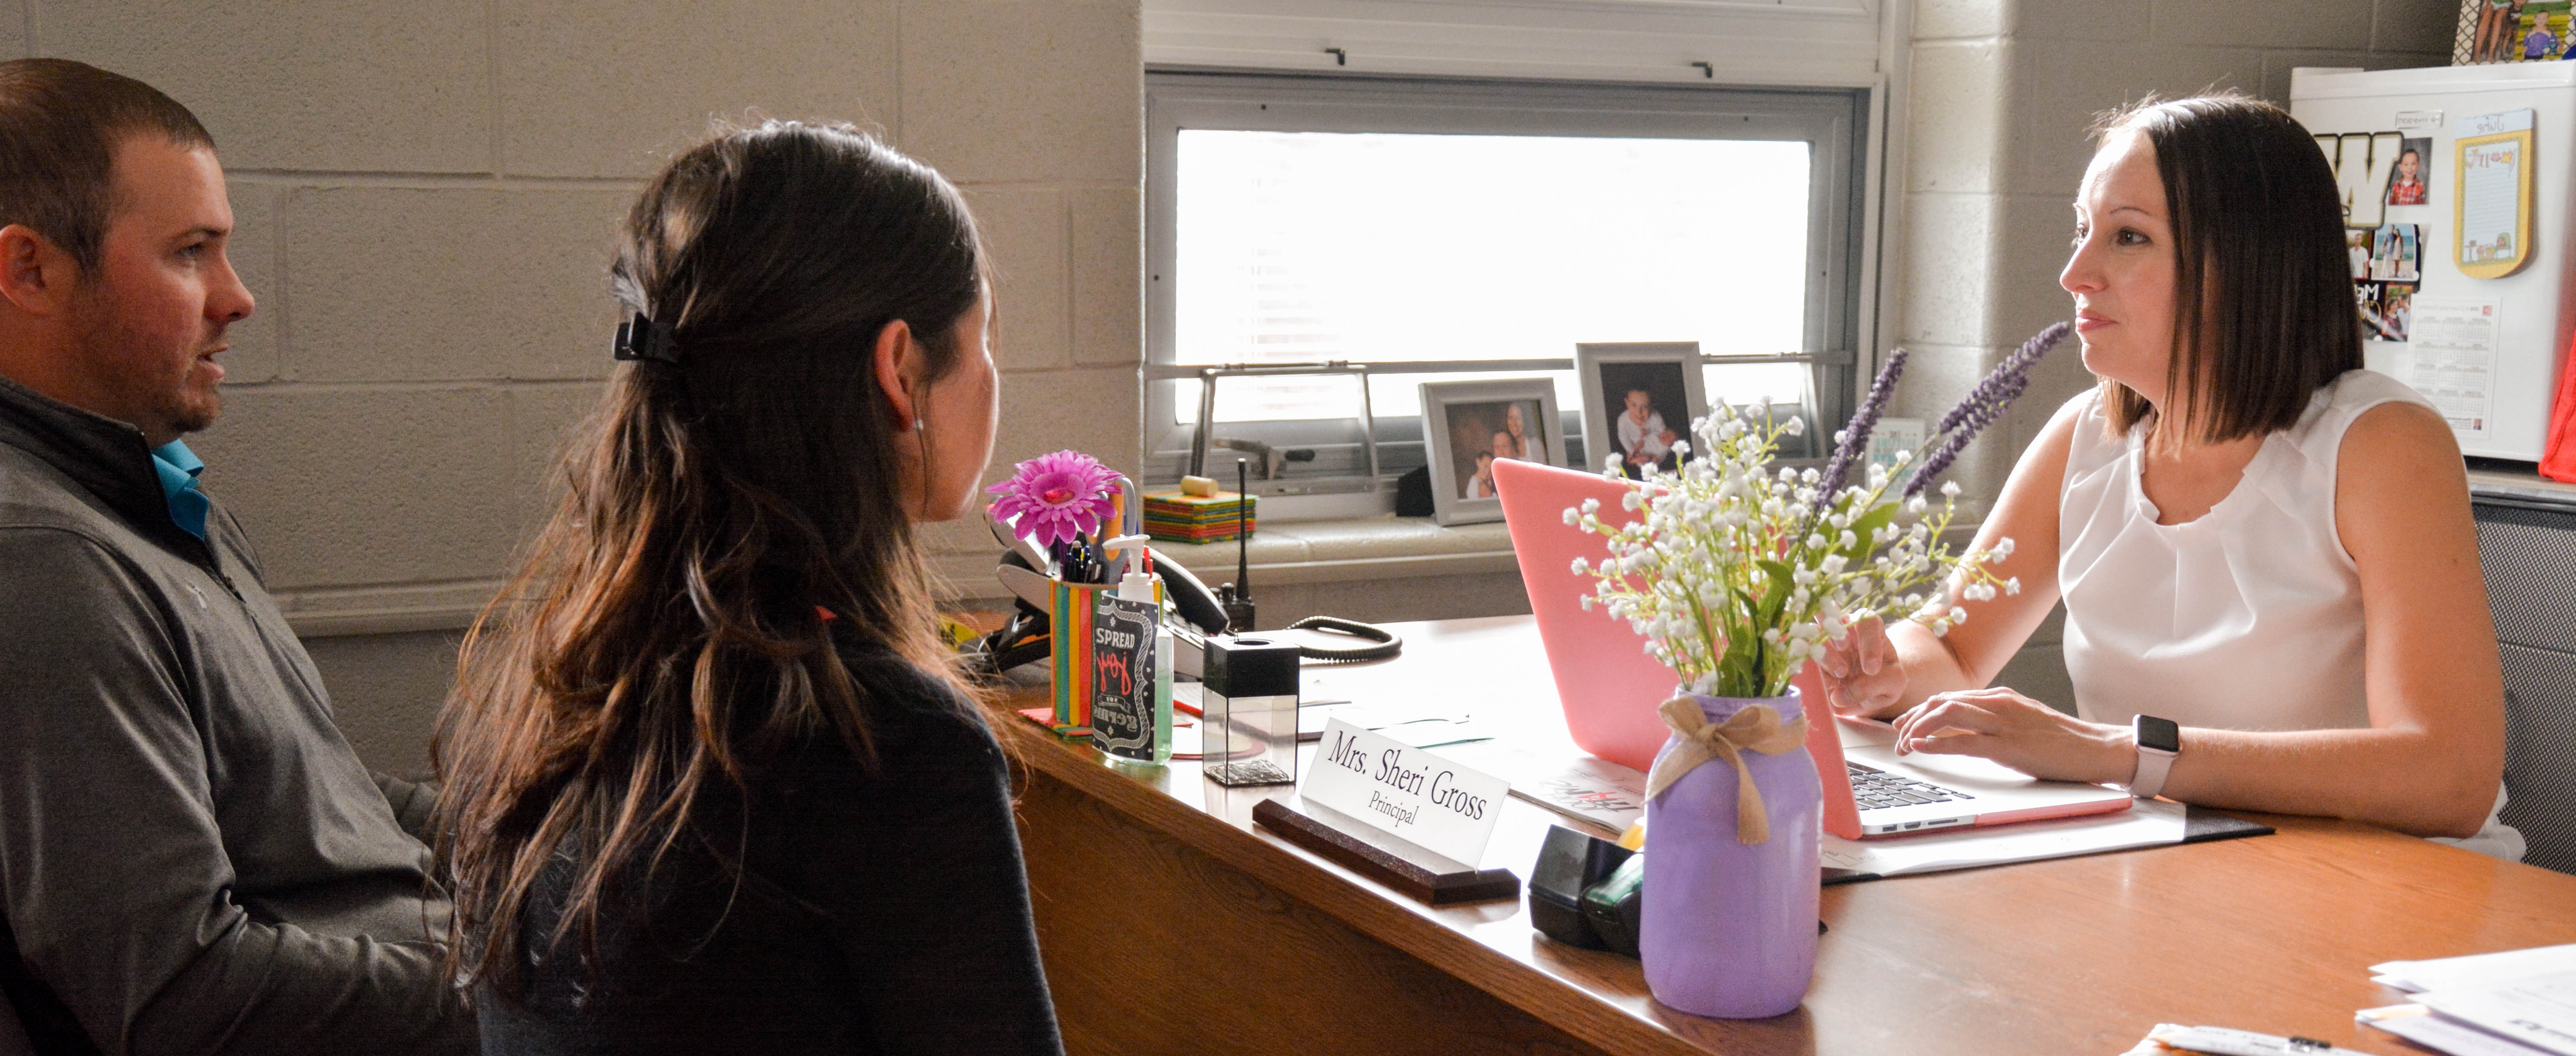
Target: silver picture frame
<point>1453,411</point>
<point>1661,367</point>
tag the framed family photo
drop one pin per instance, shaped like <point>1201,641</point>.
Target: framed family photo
<point>1638,398</point>
<point>1468,425</point>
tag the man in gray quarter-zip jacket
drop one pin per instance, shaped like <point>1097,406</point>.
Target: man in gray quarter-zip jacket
<point>192,859</point>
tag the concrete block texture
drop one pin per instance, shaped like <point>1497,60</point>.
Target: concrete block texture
<point>1936,376</point>
<point>1094,411</point>
<point>386,690</point>
<point>617,87</point>
<point>2081,20</point>
<point>2058,92</point>
<point>1955,144</point>
<point>1091,411</point>
<point>2423,26</point>
<point>306,84</point>
<point>2276,24</point>
<point>14,19</point>
<point>451,283</point>
<point>1024,233</point>
<point>1108,261</point>
<point>544,427</point>
<point>1001,91</point>
<point>1953,19</point>
<point>343,487</point>
<point>2033,239</point>
<point>1949,268</point>
<point>257,252</point>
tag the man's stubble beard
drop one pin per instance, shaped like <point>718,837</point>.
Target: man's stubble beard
<point>139,375</point>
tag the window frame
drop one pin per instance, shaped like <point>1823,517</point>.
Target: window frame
<point>1834,121</point>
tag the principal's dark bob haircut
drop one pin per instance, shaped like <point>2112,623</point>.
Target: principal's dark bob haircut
<point>2263,308</point>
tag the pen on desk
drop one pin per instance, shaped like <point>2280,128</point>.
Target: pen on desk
<point>2222,1041</point>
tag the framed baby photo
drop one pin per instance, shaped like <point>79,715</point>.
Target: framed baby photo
<point>1468,425</point>
<point>1638,398</point>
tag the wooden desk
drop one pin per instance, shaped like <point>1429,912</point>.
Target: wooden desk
<point>1170,924</point>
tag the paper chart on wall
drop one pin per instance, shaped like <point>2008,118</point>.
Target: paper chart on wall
<point>2454,343</point>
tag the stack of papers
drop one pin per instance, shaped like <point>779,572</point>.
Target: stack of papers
<point>1567,781</point>
<point>2516,1003</point>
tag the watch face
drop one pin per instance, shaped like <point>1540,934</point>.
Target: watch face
<point>2163,735</point>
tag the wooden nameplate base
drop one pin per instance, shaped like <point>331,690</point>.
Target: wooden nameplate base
<point>1426,877</point>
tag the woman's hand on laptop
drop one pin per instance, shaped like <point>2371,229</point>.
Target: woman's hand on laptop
<point>1862,675</point>
<point>2019,732</point>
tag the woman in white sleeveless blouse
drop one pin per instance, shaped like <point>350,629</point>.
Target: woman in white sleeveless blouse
<point>2254,537</point>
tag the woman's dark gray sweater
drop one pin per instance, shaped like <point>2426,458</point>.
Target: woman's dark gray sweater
<point>878,910</point>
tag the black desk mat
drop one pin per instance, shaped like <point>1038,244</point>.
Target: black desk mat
<point>2199,825</point>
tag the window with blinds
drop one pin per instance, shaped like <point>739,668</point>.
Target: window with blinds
<point>1445,231</point>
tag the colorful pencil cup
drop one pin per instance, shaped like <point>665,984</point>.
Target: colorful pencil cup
<point>1069,608</point>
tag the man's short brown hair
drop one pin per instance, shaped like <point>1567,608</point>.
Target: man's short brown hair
<point>60,122</point>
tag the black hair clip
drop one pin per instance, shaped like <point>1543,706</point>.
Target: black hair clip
<point>642,338</point>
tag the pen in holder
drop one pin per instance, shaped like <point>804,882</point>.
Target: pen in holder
<point>1073,615</point>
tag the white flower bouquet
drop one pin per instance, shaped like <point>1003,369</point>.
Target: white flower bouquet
<point>1736,574</point>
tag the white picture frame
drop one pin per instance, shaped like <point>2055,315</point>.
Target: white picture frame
<point>1454,411</point>
<point>1663,369</point>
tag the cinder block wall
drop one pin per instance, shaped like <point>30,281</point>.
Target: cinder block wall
<point>2003,92</point>
<point>427,197</point>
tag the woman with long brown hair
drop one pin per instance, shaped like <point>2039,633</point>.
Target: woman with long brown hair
<point>712,784</point>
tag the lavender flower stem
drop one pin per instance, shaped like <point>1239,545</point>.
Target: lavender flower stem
<point>1983,404</point>
<point>1855,439</point>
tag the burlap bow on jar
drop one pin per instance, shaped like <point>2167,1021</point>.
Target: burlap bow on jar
<point>1757,727</point>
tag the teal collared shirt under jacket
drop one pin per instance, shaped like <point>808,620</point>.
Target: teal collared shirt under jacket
<point>178,468</point>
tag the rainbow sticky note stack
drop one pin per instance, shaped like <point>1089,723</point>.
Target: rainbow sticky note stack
<point>1176,518</point>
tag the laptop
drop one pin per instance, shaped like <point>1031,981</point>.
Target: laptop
<point>1609,687</point>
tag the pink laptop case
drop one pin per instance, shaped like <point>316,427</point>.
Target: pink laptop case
<point>1609,686</point>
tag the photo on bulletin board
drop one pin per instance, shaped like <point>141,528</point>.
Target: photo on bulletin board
<point>2387,309</point>
<point>1638,399</point>
<point>1467,426</point>
<point>2510,31</point>
<point>2541,32</point>
<point>2406,178</point>
<point>2395,254</point>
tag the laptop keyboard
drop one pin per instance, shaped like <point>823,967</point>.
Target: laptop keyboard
<point>1873,789</point>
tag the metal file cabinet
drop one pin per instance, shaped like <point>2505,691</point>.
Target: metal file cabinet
<point>2527,544</point>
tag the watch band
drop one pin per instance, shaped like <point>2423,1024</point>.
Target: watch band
<point>2158,741</point>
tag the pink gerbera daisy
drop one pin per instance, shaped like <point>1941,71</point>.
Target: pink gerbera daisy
<point>1055,498</point>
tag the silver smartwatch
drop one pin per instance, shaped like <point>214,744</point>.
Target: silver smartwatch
<point>2159,740</point>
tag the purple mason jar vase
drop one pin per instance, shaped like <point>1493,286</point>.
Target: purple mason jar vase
<point>1729,928</point>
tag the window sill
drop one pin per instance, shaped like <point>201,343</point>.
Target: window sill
<point>1340,551</point>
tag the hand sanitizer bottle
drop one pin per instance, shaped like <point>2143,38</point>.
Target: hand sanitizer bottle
<point>1143,587</point>
<point>1139,588</point>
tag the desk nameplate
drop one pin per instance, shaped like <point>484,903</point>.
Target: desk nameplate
<point>1405,792</point>
<point>1405,866</point>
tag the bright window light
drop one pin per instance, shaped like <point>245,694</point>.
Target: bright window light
<point>1309,246</point>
